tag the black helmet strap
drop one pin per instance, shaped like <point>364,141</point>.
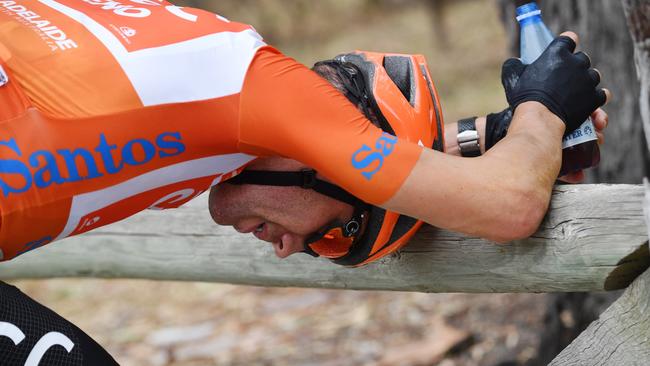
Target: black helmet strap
<point>305,178</point>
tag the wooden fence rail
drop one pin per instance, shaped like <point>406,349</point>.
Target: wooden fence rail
<point>594,238</point>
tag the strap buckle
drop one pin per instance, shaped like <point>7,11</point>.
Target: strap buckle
<point>468,142</point>
<point>468,138</point>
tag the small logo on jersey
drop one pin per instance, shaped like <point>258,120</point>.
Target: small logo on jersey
<point>35,244</point>
<point>4,79</point>
<point>54,37</point>
<point>40,346</point>
<point>127,31</point>
<point>175,199</point>
<point>371,160</point>
<point>122,9</point>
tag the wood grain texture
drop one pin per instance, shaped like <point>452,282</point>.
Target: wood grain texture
<point>593,239</point>
<point>637,13</point>
<point>620,336</point>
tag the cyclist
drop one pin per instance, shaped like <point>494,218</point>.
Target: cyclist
<point>295,219</point>
<point>109,108</point>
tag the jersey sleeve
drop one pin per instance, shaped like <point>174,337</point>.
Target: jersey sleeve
<point>288,110</point>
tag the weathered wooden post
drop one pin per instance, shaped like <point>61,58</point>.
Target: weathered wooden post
<point>621,335</point>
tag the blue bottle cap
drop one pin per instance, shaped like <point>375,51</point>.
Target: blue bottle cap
<point>527,8</point>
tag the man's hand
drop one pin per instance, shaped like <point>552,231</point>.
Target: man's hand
<point>559,79</point>
<point>498,123</point>
<point>600,120</point>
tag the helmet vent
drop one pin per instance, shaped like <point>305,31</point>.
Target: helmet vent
<point>399,69</point>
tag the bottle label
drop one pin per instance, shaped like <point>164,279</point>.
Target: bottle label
<point>586,132</point>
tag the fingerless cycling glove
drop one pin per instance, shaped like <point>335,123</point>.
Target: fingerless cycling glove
<point>560,79</point>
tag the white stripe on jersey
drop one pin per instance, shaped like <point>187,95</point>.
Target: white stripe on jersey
<point>192,70</point>
<point>86,203</point>
<point>181,72</point>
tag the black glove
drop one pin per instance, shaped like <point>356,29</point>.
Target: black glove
<point>559,79</point>
<point>496,127</point>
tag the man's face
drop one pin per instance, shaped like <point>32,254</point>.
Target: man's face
<point>283,216</point>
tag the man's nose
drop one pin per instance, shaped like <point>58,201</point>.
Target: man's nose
<point>288,245</point>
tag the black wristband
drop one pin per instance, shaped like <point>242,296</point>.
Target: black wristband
<point>468,143</point>
<point>467,124</point>
<point>496,127</point>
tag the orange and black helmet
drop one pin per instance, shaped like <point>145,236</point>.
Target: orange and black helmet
<point>396,93</point>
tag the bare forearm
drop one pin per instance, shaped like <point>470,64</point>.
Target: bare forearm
<point>501,195</point>
<point>533,143</point>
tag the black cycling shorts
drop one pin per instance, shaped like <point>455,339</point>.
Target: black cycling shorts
<point>33,335</point>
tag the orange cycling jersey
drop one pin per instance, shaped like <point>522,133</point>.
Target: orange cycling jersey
<point>111,107</point>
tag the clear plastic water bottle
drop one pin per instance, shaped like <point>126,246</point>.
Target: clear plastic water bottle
<point>579,148</point>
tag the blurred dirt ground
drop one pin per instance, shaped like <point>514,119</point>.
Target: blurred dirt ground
<point>190,324</point>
